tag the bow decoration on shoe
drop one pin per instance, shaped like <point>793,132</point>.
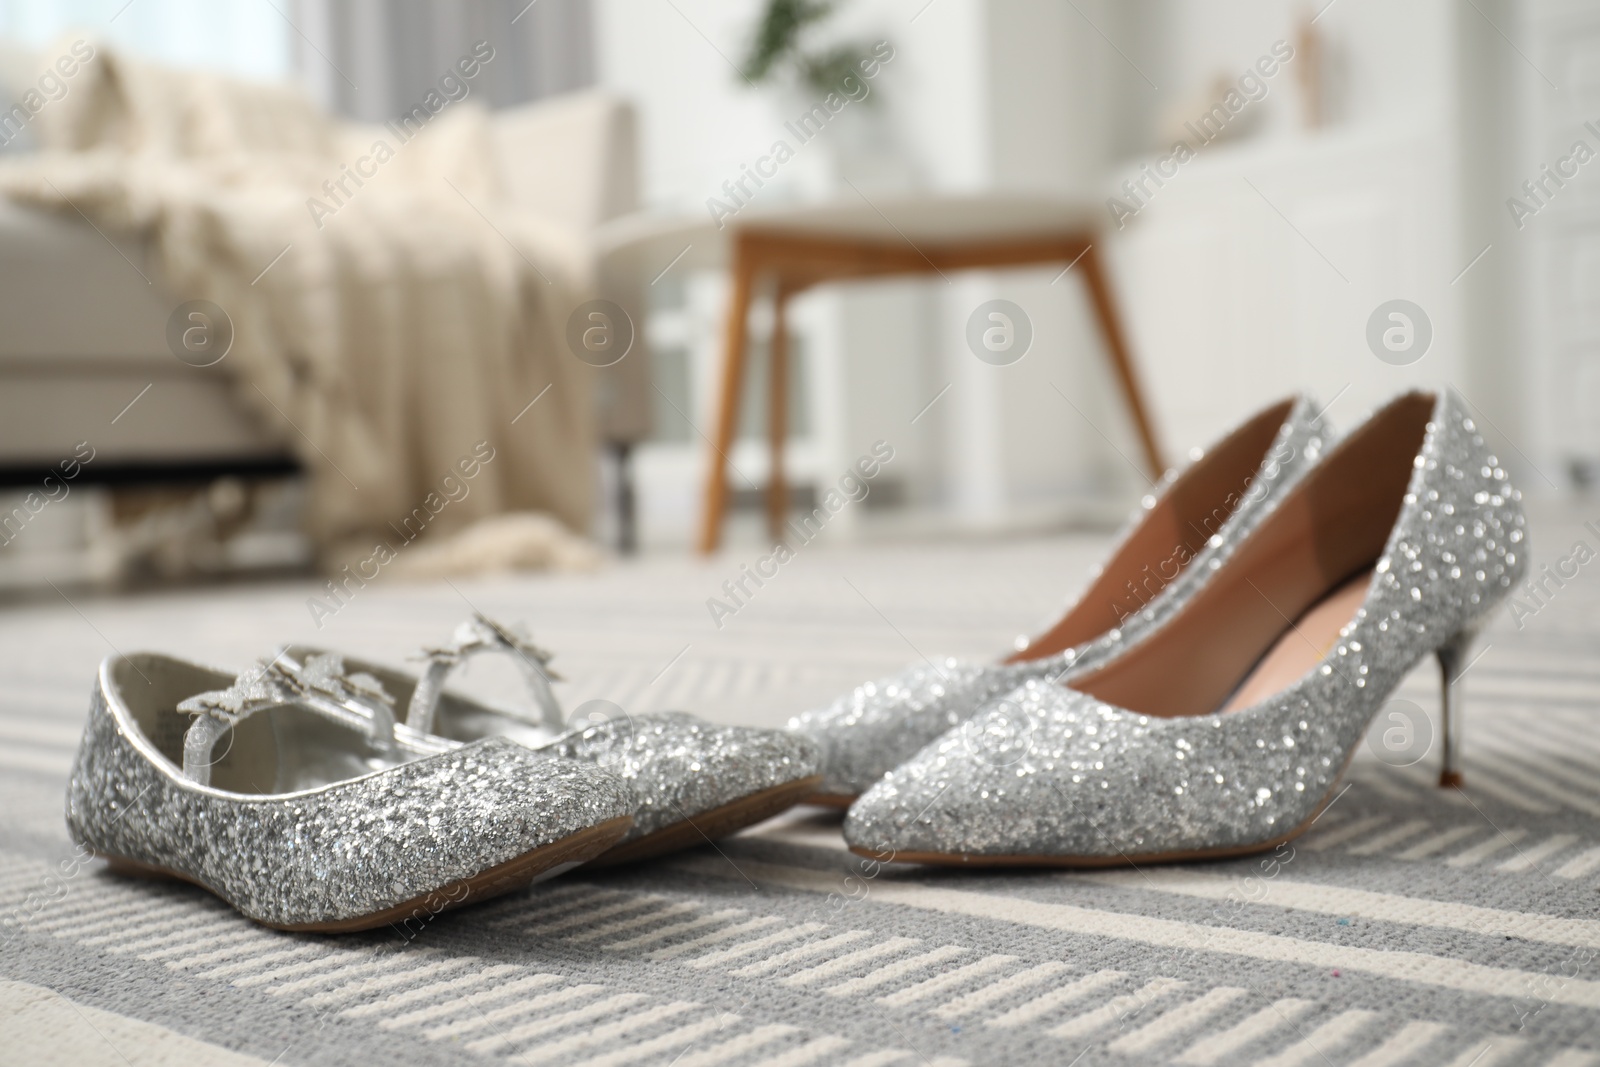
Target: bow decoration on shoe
<point>324,675</point>
<point>321,685</point>
<point>482,634</point>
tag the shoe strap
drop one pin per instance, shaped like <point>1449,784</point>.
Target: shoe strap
<point>321,684</point>
<point>482,634</point>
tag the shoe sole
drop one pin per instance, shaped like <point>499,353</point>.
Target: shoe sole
<point>513,874</point>
<point>710,825</point>
<point>957,859</point>
<point>837,801</point>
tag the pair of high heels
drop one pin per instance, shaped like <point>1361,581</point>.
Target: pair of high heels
<point>292,792</point>
<point>1205,694</point>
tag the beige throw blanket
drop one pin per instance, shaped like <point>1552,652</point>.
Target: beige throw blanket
<point>396,340</point>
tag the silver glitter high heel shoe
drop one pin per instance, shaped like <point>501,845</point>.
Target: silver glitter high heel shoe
<point>693,781</point>
<point>318,813</point>
<point>1183,530</point>
<point>1226,730</point>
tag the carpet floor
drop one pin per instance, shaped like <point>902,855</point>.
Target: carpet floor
<point>1411,925</point>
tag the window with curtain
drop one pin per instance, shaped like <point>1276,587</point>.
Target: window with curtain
<point>366,59</point>
<point>373,59</point>
<point>250,38</point>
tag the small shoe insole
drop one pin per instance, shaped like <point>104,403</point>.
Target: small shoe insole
<point>1302,646</point>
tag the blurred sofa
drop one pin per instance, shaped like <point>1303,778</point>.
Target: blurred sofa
<point>84,353</point>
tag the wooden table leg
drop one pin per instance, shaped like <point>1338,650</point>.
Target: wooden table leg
<point>729,392</point>
<point>1121,361</point>
<point>778,413</point>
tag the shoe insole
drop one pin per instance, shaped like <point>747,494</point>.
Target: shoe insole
<point>1334,523</point>
<point>1302,646</point>
<point>1169,536</point>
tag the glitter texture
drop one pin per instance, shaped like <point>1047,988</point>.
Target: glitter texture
<point>335,852</point>
<point>1047,771</point>
<point>876,726</point>
<point>678,766</point>
<point>681,767</point>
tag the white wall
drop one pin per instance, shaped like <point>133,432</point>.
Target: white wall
<point>1254,271</point>
<point>1552,262</point>
<point>1252,274</point>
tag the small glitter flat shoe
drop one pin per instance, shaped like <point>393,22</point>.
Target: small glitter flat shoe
<point>1226,730</point>
<point>318,813</point>
<point>1182,532</point>
<point>693,781</point>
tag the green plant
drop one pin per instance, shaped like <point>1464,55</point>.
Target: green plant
<point>776,47</point>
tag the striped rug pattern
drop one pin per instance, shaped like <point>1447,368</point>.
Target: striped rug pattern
<point>1409,926</point>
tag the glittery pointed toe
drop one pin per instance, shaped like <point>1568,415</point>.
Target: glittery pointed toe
<point>874,726</point>
<point>1184,529</point>
<point>262,792</point>
<point>1046,775</point>
<point>1226,730</point>
<point>691,781</point>
<point>943,800</point>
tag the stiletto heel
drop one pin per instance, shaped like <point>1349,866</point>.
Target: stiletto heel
<point>1452,656</point>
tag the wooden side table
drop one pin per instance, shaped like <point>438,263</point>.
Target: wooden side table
<point>789,252</point>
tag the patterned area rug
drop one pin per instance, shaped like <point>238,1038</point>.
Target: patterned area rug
<point>1410,925</point>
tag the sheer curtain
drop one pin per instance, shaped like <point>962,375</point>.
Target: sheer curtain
<point>373,59</point>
